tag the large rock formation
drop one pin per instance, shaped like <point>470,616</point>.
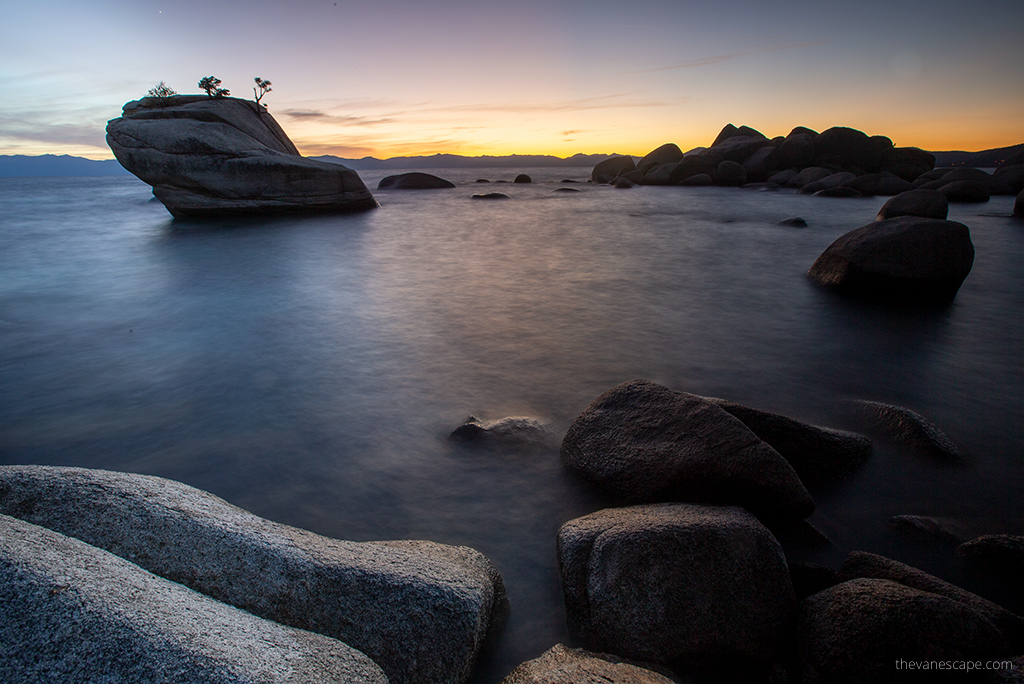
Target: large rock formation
<point>905,258</point>
<point>420,610</point>
<point>643,442</point>
<point>677,584</point>
<point>224,156</point>
<point>75,613</point>
<point>562,665</point>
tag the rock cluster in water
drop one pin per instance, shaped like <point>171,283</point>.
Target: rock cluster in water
<point>224,156</point>
<point>838,162</point>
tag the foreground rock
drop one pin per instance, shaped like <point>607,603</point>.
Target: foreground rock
<point>860,564</point>
<point>223,156</point>
<point>817,454</point>
<point>562,665</point>
<point>75,613</point>
<point>899,259</point>
<point>414,180</point>
<point>924,203</point>
<point>683,585</point>
<point>910,429</point>
<point>857,631</point>
<point>420,610</point>
<point>643,442</point>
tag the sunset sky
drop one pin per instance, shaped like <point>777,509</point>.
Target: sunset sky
<point>395,77</point>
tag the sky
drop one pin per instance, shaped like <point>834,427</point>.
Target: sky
<point>391,78</point>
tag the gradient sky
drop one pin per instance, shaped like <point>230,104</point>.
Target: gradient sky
<point>398,77</point>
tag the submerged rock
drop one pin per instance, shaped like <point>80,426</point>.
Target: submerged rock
<point>224,156</point>
<point>414,180</point>
<point>563,665</point>
<point>420,610</point>
<point>676,584</point>
<point>905,258</point>
<point>1000,553</point>
<point>643,442</point>
<point>795,222</point>
<point>522,178</point>
<point>75,613</point>
<point>910,429</point>
<point>490,195</point>
<point>928,529</point>
<point>511,430</point>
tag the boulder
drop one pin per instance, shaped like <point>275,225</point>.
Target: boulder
<point>795,222</point>
<point>1002,553</point>
<point>643,442</point>
<point>608,169</point>
<point>697,180</point>
<point>836,179</point>
<point>730,173</point>
<point>736,147</point>
<point>224,156</point>
<point>563,665</point>
<point>414,180</point>
<point>514,430</point>
<point>564,190</point>
<point>420,610</point>
<point>759,165</point>
<point>860,564</point>
<point>796,151</point>
<point>905,258</point>
<point>1018,205</point>
<point>924,203</point>
<point>690,166</point>
<point>859,631</point>
<point>624,183</point>
<point>660,174</point>
<point>523,178</point>
<point>676,584</point>
<point>782,177</point>
<point>817,454</point>
<point>966,191</point>
<point>910,429</point>
<point>926,528</point>
<point>490,195</point>
<point>1010,177</point>
<point>666,154</point>
<point>75,613</point>
<point>908,162</point>
<point>884,183</point>
<point>808,175</point>
<point>810,578</point>
<point>847,148</point>
<point>841,191</point>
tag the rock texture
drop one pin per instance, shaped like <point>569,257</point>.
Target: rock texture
<point>224,156</point>
<point>899,259</point>
<point>508,431</point>
<point>817,454</point>
<point>678,584</point>
<point>563,665</point>
<point>414,180</point>
<point>643,442</point>
<point>924,203</point>
<point>910,429</point>
<point>75,613</point>
<point>856,632</point>
<point>420,610</point>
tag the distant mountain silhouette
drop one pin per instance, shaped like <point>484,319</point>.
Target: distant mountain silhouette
<point>984,159</point>
<point>53,165</point>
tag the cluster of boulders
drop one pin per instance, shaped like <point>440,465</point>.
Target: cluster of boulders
<point>691,576</point>
<point>222,156</point>
<point>838,162</point>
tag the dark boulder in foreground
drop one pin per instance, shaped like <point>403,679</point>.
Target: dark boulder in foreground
<point>676,584</point>
<point>817,454</point>
<point>900,259</point>
<point>414,180</point>
<point>923,203</point>
<point>643,442</point>
<point>562,665</point>
<point>420,610</point>
<point>910,429</point>
<point>857,631</point>
<point>75,613</point>
<point>224,156</point>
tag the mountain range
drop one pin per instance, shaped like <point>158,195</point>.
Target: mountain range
<point>66,165</point>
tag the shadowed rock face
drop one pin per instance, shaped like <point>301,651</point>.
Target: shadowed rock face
<point>224,156</point>
<point>561,665</point>
<point>420,610</point>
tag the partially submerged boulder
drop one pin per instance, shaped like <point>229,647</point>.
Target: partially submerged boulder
<point>643,442</point>
<point>420,610</point>
<point>563,665</point>
<point>75,613</point>
<point>924,203</point>
<point>910,429</point>
<point>677,584</point>
<point>607,170</point>
<point>858,631</point>
<point>512,430</point>
<point>900,259</point>
<point>414,180</point>
<point>224,156</point>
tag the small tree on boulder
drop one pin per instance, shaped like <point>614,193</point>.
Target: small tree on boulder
<point>262,88</point>
<point>211,84</point>
<point>161,90</point>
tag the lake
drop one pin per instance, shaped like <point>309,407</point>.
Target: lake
<point>311,369</point>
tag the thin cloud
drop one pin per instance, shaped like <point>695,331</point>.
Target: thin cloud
<point>340,120</point>
<point>718,59</point>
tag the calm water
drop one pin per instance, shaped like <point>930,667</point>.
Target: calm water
<point>310,369</point>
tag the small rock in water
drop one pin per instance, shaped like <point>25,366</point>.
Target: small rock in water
<point>490,195</point>
<point>511,430</point>
<point>482,180</point>
<point>795,222</point>
<point>566,190</point>
<point>928,528</point>
<point>414,181</point>
<point>910,429</point>
<point>523,178</point>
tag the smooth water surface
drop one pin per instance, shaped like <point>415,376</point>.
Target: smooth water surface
<point>310,369</point>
